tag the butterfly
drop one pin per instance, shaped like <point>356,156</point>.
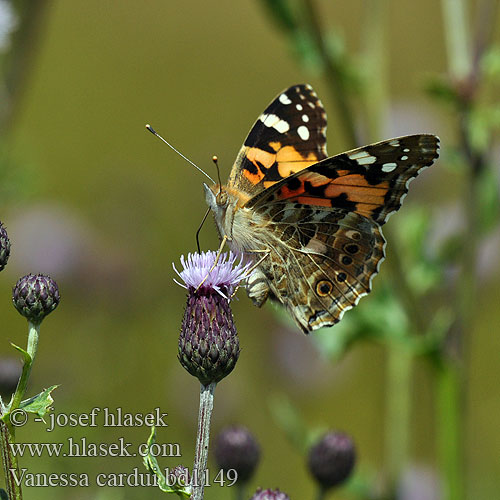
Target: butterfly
<point>312,224</point>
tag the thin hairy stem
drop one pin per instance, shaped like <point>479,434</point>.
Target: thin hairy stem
<point>333,74</point>
<point>202,440</point>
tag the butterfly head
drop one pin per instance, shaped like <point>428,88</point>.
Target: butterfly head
<point>218,201</point>
<point>216,197</point>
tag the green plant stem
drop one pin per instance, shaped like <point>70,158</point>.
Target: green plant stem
<point>399,279</point>
<point>457,38</point>
<point>448,401</point>
<point>7,430</point>
<point>320,493</point>
<point>33,334</point>
<point>240,491</point>
<point>202,440</point>
<point>18,62</point>
<point>375,56</point>
<point>9,461</point>
<point>333,74</point>
<point>398,408</point>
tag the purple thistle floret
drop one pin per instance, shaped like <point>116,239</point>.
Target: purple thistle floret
<point>269,494</point>
<point>223,278</point>
<point>208,343</point>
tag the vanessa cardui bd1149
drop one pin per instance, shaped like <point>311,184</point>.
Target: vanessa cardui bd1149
<point>313,223</point>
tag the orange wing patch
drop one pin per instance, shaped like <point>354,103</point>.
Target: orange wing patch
<point>351,191</point>
<point>285,161</point>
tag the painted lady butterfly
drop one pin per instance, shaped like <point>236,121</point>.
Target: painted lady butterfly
<point>313,223</point>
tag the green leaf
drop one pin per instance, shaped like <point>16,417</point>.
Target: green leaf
<point>288,418</point>
<point>442,90</point>
<point>490,63</point>
<point>488,200</point>
<point>483,121</point>
<point>281,13</point>
<point>151,464</point>
<point>26,356</point>
<point>39,404</point>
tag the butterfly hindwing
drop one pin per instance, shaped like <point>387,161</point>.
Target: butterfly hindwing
<point>322,262</point>
<point>287,137</point>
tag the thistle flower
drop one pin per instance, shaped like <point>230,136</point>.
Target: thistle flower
<point>4,247</point>
<point>270,495</point>
<point>236,448</point>
<point>332,459</point>
<point>35,296</point>
<point>208,343</point>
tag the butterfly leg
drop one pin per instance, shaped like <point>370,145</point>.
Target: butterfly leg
<point>252,268</point>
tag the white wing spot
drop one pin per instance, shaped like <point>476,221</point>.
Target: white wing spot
<point>404,157</point>
<point>303,132</point>
<point>359,154</point>
<point>316,246</point>
<point>367,160</point>
<point>363,158</point>
<point>394,143</point>
<point>305,118</point>
<point>311,104</point>
<point>284,99</point>
<point>389,167</point>
<point>273,121</point>
<point>406,150</point>
<point>299,107</point>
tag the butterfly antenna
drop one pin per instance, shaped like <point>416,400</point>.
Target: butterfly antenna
<point>154,132</point>
<point>199,229</point>
<point>216,161</point>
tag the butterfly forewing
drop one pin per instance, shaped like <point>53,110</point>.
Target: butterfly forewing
<point>287,137</point>
<point>372,180</point>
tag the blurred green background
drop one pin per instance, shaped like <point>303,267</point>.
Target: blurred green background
<point>97,202</point>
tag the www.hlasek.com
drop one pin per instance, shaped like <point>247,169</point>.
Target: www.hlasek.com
<point>81,447</point>
<point>132,479</point>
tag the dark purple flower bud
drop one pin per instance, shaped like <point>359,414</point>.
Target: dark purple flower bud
<point>10,372</point>
<point>35,296</point>
<point>332,459</point>
<point>4,247</point>
<point>270,495</point>
<point>236,448</point>
<point>208,343</point>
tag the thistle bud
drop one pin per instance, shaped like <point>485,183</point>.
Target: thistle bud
<point>236,448</point>
<point>179,476</point>
<point>4,247</point>
<point>331,459</point>
<point>208,343</point>
<point>270,495</point>
<point>35,296</point>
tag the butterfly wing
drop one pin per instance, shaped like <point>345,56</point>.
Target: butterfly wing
<point>286,138</point>
<point>325,222</point>
<point>371,181</point>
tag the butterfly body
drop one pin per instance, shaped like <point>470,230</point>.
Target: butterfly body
<point>312,223</point>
